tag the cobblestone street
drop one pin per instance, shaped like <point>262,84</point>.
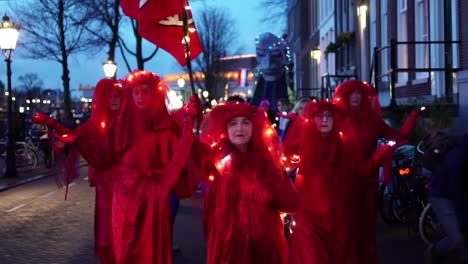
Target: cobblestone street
<point>39,226</point>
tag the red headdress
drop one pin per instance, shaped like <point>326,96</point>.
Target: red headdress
<point>156,117</point>
<point>373,98</point>
<point>264,146</point>
<point>101,114</point>
<point>343,92</point>
<point>317,149</point>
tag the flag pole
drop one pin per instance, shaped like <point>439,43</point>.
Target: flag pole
<point>187,49</point>
<point>186,42</point>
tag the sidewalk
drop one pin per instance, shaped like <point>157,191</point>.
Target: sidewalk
<point>35,174</point>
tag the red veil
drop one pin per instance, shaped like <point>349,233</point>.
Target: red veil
<point>130,116</point>
<point>242,210</point>
<point>265,143</point>
<point>315,149</point>
<point>92,134</point>
<point>324,222</point>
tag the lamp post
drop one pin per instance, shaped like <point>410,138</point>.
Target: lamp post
<point>8,37</point>
<point>316,54</point>
<point>181,82</point>
<point>110,68</point>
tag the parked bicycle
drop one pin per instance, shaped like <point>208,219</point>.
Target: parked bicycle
<point>26,158</point>
<point>405,197</point>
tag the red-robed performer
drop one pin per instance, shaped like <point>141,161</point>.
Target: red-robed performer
<point>324,227</point>
<point>90,137</point>
<point>366,125</point>
<point>249,189</point>
<point>146,142</point>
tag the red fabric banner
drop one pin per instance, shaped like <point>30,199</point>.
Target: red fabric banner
<point>161,23</point>
<point>130,8</point>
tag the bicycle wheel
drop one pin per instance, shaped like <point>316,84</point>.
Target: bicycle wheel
<point>386,204</point>
<point>430,229</point>
<point>26,159</point>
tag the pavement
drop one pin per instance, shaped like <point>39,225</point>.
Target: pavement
<point>37,173</point>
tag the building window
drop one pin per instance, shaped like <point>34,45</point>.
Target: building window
<point>421,34</point>
<point>402,35</point>
<point>384,55</point>
<point>373,27</point>
<point>403,5</point>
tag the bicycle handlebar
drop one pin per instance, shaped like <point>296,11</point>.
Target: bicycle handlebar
<point>418,146</point>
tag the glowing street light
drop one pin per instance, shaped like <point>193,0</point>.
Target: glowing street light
<point>315,54</point>
<point>181,82</point>
<point>362,13</point>
<point>110,68</point>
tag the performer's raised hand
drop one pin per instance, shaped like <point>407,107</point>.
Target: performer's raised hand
<point>43,119</point>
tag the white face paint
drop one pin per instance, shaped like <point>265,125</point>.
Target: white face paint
<point>240,132</point>
<point>142,96</point>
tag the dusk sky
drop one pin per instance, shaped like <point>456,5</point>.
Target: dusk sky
<point>87,69</point>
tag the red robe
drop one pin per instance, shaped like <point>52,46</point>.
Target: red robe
<point>141,209</point>
<point>242,216</point>
<point>91,140</point>
<point>102,178</point>
<point>323,231</point>
<point>366,128</point>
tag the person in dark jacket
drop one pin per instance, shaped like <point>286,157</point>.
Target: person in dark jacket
<point>448,192</point>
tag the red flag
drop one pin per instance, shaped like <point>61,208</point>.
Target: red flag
<point>130,8</point>
<point>161,23</point>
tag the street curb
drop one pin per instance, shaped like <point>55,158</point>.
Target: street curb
<point>35,178</point>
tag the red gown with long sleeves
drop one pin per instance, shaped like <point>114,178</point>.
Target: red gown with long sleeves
<point>141,207</point>
<point>325,229</point>
<point>152,154</point>
<point>242,222</point>
<point>90,140</point>
<point>102,178</point>
<point>365,125</point>
<point>241,217</point>
<point>322,233</point>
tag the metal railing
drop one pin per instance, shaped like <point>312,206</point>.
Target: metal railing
<point>377,74</point>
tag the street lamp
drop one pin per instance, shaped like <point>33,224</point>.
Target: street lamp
<point>181,82</point>
<point>315,54</point>
<point>8,37</point>
<point>361,13</point>
<point>109,68</point>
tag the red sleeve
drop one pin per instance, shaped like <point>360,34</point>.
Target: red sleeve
<point>100,156</point>
<point>387,131</point>
<point>285,198</point>
<point>61,129</point>
<point>410,124</point>
<point>177,179</point>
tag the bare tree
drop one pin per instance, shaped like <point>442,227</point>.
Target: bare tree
<point>277,11</point>
<point>107,12</point>
<point>29,81</point>
<point>215,29</point>
<point>55,30</point>
<point>138,52</point>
